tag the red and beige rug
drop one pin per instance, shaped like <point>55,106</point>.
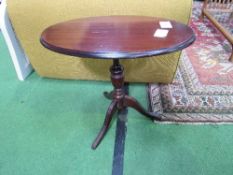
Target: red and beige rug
<point>202,90</point>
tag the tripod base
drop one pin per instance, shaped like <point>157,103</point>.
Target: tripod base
<point>119,101</point>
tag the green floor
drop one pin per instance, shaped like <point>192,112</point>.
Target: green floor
<point>165,149</point>
<point>47,126</point>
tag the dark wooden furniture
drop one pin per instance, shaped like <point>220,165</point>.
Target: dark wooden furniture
<point>220,13</point>
<point>116,37</point>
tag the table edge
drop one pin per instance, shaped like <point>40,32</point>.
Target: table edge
<point>119,55</point>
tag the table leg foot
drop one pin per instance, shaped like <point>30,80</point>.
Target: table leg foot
<point>108,95</point>
<point>132,102</point>
<point>111,110</point>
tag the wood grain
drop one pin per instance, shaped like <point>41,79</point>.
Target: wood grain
<point>115,37</point>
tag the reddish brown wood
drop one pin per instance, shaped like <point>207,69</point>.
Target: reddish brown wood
<point>108,118</point>
<point>115,37</point>
<point>119,101</point>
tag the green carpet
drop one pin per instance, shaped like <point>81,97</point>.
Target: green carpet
<point>172,149</point>
<point>47,127</point>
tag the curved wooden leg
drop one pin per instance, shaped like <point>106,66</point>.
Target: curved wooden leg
<point>132,102</point>
<point>231,57</point>
<point>109,114</point>
<point>202,9</point>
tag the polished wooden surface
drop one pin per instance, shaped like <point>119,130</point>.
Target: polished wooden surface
<point>115,37</point>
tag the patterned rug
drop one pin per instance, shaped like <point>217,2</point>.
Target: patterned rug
<point>202,90</point>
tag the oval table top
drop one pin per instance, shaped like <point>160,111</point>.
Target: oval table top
<point>116,37</point>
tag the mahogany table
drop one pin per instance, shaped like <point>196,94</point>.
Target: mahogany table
<point>116,37</point>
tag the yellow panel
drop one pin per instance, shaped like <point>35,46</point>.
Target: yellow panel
<point>31,17</point>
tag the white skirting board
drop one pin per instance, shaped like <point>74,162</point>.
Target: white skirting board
<point>21,63</point>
